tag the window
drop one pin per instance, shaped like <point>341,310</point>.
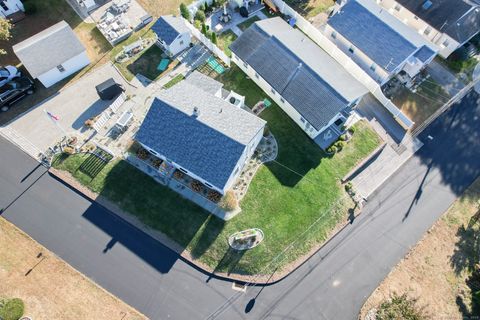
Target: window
<point>427,4</point>
<point>208,185</point>
<point>3,5</point>
<point>282,100</point>
<point>351,49</point>
<point>273,91</point>
<point>181,42</point>
<point>183,170</point>
<point>60,68</point>
<point>415,17</point>
<point>256,75</point>
<point>236,170</point>
<point>334,35</point>
<point>397,7</point>
<point>445,43</point>
<point>245,65</point>
<point>427,31</point>
<point>301,119</point>
<point>373,67</point>
<point>338,122</point>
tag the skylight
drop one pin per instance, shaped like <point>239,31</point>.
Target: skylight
<point>427,4</point>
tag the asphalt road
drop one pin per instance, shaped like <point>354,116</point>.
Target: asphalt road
<point>333,284</point>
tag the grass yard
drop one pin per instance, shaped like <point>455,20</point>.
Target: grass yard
<point>443,269</point>
<point>284,199</point>
<point>53,289</point>
<point>247,23</point>
<point>418,106</point>
<point>310,8</point>
<point>159,8</point>
<point>174,81</point>
<point>224,40</point>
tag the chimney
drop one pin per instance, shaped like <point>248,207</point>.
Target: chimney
<point>195,112</point>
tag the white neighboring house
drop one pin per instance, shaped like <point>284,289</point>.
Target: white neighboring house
<point>53,54</point>
<point>9,7</point>
<point>377,41</point>
<point>173,35</point>
<point>306,82</point>
<point>448,24</point>
<point>192,127</point>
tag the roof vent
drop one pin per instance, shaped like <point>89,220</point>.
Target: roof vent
<point>195,112</point>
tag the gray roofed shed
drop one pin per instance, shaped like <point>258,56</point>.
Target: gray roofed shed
<point>48,49</point>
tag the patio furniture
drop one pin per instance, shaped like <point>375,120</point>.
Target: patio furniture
<point>163,65</point>
<point>217,67</point>
<point>124,121</point>
<point>267,103</point>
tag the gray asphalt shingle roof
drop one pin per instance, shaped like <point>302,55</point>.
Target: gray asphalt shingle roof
<point>454,17</point>
<point>209,145</point>
<point>204,82</point>
<point>48,49</point>
<point>385,46</point>
<point>167,28</point>
<point>305,75</point>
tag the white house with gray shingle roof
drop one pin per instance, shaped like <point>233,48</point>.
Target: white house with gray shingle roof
<point>195,130</point>
<point>307,83</point>
<point>9,7</point>
<point>53,54</point>
<point>173,35</point>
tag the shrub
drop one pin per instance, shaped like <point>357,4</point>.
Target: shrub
<point>204,29</point>
<point>214,196</point>
<point>142,154</point>
<point>351,130</point>
<point>339,145</point>
<point>348,186</point>
<point>196,185</point>
<point>200,16</point>
<point>197,24</point>
<point>214,38</point>
<point>332,149</point>
<point>184,11</point>
<point>266,131</point>
<point>206,8</point>
<point>156,163</point>
<point>178,174</point>
<point>11,309</point>
<point>68,150</point>
<point>400,307</point>
<point>89,147</point>
<point>343,137</point>
<point>214,4</point>
<point>229,201</point>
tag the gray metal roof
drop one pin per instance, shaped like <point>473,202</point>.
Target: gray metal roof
<point>48,49</point>
<point>457,18</point>
<point>381,43</point>
<point>204,82</point>
<point>167,28</point>
<point>208,145</point>
<point>305,75</point>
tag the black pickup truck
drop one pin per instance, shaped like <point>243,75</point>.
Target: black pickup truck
<point>14,91</point>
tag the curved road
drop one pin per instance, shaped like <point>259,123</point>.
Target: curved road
<point>333,284</point>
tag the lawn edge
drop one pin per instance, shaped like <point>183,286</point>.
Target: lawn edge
<point>259,280</point>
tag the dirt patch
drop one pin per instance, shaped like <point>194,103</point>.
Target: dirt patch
<point>157,8</point>
<point>310,8</point>
<point>50,288</point>
<point>435,271</point>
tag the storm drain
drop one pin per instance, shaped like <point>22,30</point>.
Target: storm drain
<point>239,287</point>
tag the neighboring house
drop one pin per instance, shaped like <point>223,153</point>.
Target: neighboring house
<point>449,24</point>
<point>307,83</point>
<point>192,128</point>
<point>53,54</point>
<point>9,7</point>
<point>173,35</point>
<point>377,41</point>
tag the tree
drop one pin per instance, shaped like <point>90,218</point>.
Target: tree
<point>214,38</point>
<point>206,8</point>
<point>184,11</point>
<point>214,3</point>
<point>204,28</point>
<point>200,15</point>
<point>5,27</point>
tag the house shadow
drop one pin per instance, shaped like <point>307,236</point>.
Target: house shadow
<point>208,234</point>
<point>455,148</point>
<point>91,111</point>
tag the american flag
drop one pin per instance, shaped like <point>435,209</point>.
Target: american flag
<point>52,116</point>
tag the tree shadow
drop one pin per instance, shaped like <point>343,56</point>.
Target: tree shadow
<point>229,262</point>
<point>455,148</point>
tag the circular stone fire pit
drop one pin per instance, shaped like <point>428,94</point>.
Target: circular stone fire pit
<point>246,239</point>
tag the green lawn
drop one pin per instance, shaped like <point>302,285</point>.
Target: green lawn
<point>174,81</point>
<point>247,23</point>
<point>225,40</point>
<point>280,202</point>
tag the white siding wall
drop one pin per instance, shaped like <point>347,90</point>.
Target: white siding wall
<point>179,44</point>
<point>418,24</point>
<point>287,107</point>
<point>13,6</point>
<point>71,66</point>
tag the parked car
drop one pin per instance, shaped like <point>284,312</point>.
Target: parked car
<point>7,74</point>
<point>14,91</point>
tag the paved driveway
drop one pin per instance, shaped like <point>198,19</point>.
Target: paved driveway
<point>73,105</point>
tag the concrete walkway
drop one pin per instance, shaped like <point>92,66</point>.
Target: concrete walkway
<point>236,30</point>
<point>445,78</point>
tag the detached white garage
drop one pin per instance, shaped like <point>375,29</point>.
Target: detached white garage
<point>53,54</point>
